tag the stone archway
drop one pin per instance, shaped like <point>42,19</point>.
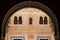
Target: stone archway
<point>32,5</point>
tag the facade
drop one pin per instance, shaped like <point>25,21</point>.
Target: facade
<point>29,23</point>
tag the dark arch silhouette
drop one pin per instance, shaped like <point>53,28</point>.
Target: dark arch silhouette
<point>34,5</point>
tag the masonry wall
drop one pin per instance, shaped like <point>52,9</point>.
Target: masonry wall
<point>30,32</point>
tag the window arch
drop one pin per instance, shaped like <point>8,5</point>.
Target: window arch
<point>15,20</point>
<point>45,20</point>
<point>41,20</point>
<point>20,20</point>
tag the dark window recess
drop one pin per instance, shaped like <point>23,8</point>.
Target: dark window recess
<point>17,39</point>
<point>43,39</point>
<point>30,20</point>
<point>45,20</point>
<point>41,20</point>
<point>15,20</point>
<point>20,20</point>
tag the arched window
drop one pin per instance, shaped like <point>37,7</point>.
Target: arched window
<point>30,20</point>
<point>45,20</point>
<point>41,20</point>
<point>15,20</point>
<point>20,20</point>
